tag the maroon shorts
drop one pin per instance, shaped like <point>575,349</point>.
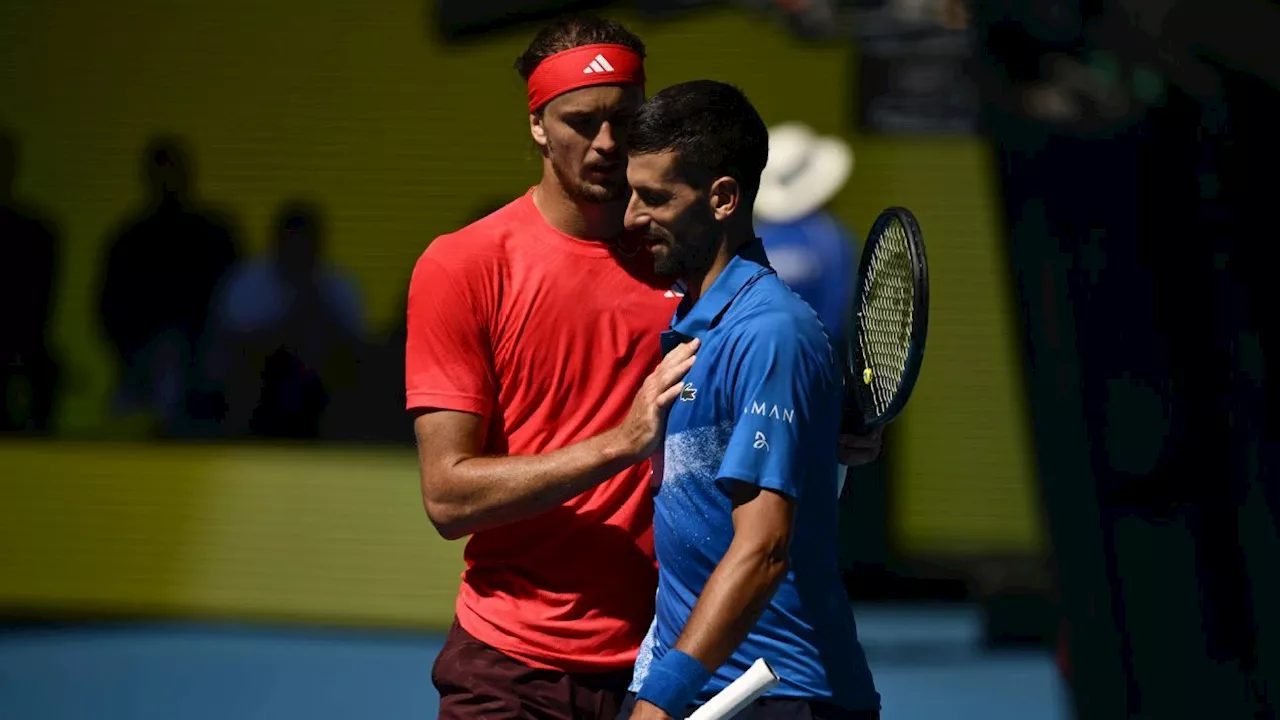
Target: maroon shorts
<point>475,681</point>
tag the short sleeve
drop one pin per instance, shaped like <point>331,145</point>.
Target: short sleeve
<point>777,390</point>
<point>448,357</point>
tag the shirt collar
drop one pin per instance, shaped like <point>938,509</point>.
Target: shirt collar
<point>747,266</point>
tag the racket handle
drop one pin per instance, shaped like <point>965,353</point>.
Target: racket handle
<point>756,681</point>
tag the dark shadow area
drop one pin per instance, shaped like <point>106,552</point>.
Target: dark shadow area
<point>461,20</point>
<point>1134,210</point>
<point>286,334</point>
<point>375,410</point>
<point>159,274</point>
<point>29,260</point>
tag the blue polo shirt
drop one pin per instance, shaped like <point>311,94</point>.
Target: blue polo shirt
<point>761,406</point>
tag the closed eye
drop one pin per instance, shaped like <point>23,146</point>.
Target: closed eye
<point>583,124</point>
<point>652,198</point>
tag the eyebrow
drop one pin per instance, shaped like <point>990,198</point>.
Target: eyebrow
<point>649,190</point>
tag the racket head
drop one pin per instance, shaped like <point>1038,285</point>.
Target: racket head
<point>889,323</point>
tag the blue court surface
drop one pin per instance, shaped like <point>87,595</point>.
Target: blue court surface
<point>926,661</point>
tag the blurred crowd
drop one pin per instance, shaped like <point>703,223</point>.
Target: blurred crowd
<point>209,341</point>
<point>206,340</point>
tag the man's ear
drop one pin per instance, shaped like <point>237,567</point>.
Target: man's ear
<point>725,197</point>
<point>537,130</point>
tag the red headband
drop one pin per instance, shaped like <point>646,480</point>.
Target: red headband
<point>581,67</point>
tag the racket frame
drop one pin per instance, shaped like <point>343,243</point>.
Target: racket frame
<point>856,419</point>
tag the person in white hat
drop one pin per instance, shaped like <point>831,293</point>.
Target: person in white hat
<point>816,256</point>
<point>810,249</point>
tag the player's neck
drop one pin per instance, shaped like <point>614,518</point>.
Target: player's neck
<point>582,220</point>
<point>726,249</point>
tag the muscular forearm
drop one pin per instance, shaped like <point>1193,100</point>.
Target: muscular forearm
<point>477,493</point>
<point>732,601</point>
<point>465,492</point>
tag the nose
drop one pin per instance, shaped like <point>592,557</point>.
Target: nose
<point>606,141</point>
<point>633,219</point>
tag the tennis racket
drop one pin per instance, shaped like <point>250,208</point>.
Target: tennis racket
<point>756,681</point>
<point>889,323</point>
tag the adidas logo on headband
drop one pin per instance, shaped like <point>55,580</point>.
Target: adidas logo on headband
<point>584,66</point>
<point>598,65</point>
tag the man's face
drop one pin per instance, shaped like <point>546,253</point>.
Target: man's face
<point>677,218</point>
<point>583,134</point>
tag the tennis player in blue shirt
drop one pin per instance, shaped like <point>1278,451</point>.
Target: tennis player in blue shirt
<point>745,514</point>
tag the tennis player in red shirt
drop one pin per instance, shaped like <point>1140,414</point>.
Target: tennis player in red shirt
<point>533,335</point>
<point>533,338</point>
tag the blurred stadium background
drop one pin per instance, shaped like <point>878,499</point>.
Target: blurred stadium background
<point>158,567</point>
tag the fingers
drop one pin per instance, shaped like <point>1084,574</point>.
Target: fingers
<point>682,351</point>
<point>677,363</point>
<point>854,458</point>
<point>669,375</point>
<point>858,442</point>
<point>870,440</point>
<point>670,379</point>
<point>668,396</point>
<point>855,450</point>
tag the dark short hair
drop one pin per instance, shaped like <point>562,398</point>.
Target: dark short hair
<point>713,129</point>
<point>574,31</point>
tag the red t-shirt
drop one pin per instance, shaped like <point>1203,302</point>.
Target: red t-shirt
<point>547,338</point>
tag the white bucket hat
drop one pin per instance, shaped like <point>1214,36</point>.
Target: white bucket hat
<point>805,170</point>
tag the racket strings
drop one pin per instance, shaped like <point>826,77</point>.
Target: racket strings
<point>887,313</point>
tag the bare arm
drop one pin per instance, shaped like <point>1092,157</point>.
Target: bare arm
<point>464,492</point>
<point>740,587</point>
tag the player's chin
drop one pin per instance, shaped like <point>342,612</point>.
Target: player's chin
<point>608,193</point>
<point>664,265</point>
<point>605,189</point>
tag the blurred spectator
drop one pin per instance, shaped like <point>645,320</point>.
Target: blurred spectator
<point>811,250</point>
<point>376,411</point>
<point>818,258</point>
<point>160,274</point>
<point>810,19</point>
<point>287,331</point>
<point>28,264</point>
